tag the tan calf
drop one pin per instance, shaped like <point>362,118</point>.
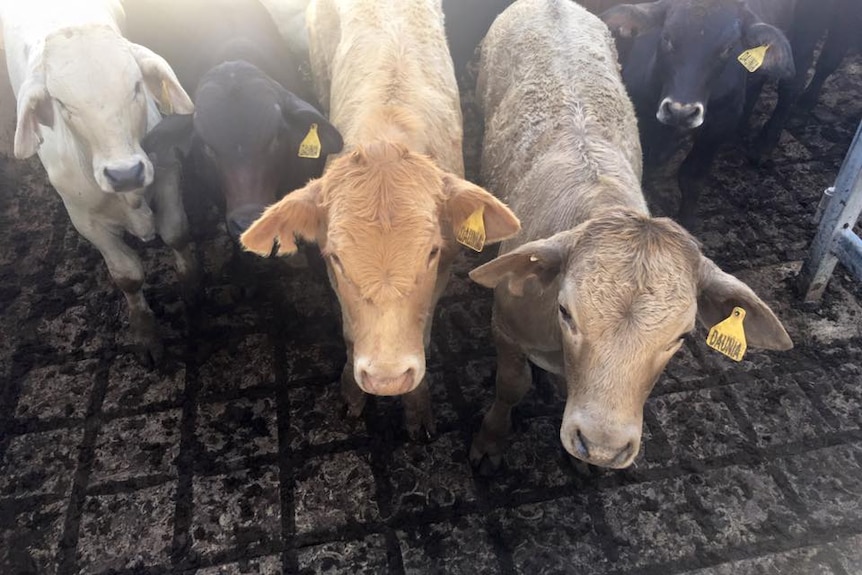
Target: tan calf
<point>385,212</point>
<point>604,301</point>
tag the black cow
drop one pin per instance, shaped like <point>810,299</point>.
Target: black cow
<point>682,71</point>
<point>842,19</point>
<point>252,109</point>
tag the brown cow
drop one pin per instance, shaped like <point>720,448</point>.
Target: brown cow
<point>604,300</point>
<point>385,213</point>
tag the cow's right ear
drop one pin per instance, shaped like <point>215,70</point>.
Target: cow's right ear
<point>34,108</point>
<point>161,81</point>
<point>630,20</point>
<point>296,214</point>
<point>541,259</point>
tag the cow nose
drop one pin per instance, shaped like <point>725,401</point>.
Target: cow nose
<point>240,219</point>
<point>397,385</point>
<point>603,455</point>
<point>675,113</point>
<point>126,179</point>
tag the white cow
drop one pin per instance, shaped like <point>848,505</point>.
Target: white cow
<point>86,97</point>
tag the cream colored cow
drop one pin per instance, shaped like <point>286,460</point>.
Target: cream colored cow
<point>385,213</point>
<point>85,99</point>
<point>595,290</point>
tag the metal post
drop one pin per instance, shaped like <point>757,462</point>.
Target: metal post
<point>833,241</point>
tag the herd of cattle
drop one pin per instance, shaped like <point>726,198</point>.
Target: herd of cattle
<point>119,97</point>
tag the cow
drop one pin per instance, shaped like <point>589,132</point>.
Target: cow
<point>594,289</point>
<point>86,97</point>
<point>840,21</point>
<point>682,71</point>
<point>386,212</point>
<point>251,106</point>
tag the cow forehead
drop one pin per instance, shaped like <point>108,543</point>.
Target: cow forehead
<point>702,17</point>
<point>89,62</point>
<point>640,276</point>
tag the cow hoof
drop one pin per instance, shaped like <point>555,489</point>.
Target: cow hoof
<point>150,354</point>
<point>353,407</point>
<point>422,433</point>
<point>485,461</point>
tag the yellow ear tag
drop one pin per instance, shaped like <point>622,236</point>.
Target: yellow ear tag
<point>165,104</point>
<point>728,335</point>
<point>472,231</point>
<point>310,145</point>
<point>753,59</point>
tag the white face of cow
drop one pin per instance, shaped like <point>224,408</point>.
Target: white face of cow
<point>97,82</point>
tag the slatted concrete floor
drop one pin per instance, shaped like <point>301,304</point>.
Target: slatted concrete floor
<point>235,457</point>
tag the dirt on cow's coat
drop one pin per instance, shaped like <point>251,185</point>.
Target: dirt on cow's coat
<point>234,456</point>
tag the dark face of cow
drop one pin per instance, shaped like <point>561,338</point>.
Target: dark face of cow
<point>250,129</point>
<point>696,50</point>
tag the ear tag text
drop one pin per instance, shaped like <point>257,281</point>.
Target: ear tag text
<point>728,335</point>
<point>165,104</point>
<point>472,231</point>
<point>310,145</point>
<point>752,59</point>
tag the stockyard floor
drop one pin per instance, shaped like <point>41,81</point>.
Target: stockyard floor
<point>234,456</point>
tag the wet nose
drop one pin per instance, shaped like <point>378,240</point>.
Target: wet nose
<point>605,453</point>
<point>126,179</point>
<point>386,379</point>
<point>239,220</point>
<point>675,113</point>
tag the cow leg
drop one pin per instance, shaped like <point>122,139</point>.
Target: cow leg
<point>834,49</point>
<point>128,273</point>
<point>753,88</point>
<point>513,382</point>
<point>418,415</point>
<point>353,395</point>
<point>172,225</point>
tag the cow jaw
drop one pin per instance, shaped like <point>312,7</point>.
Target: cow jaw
<point>98,89</point>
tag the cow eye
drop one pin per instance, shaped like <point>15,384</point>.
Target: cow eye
<point>336,262</point>
<point>666,43</point>
<point>273,145</point>
<point>435,251</point>
<point>139,89</point>
<point>566,316</point>
<point>726,52</point>
<point>210,152</point>
<point>677,342</point>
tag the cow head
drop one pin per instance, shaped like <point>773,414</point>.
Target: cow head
<point>251,129</point>
<point>385,219</point>
<point>629,288</point>
<point>698,39</point>
<point>95,82</point>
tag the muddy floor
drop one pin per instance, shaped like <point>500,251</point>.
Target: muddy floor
<point>234,455</point>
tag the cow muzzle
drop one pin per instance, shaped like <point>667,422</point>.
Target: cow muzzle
<point>395,379</point>
<point>613,446</point>
<point>680,115</point>
<point>117,177</point>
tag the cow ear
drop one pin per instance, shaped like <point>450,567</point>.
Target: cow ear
<point>296,214</point>
<point>541,259</point>
<point>162,82</point>
<point>171,134</point>
<point>298,112</point>
<point>720,292</point>
<point>34,107</point>
<point>778,61</point>
<point>465,198</point>
<point>630,20</point>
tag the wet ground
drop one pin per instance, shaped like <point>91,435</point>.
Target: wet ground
<point>234,456</point>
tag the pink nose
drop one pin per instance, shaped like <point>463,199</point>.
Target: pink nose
<point>387,385</point>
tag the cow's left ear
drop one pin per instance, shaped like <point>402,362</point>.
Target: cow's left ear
<point>161,81</point>
<point>778,61</point>
<point>719,292</point>
<point>297,111</point>
<point>465,199</point>
<point>34,108</point>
